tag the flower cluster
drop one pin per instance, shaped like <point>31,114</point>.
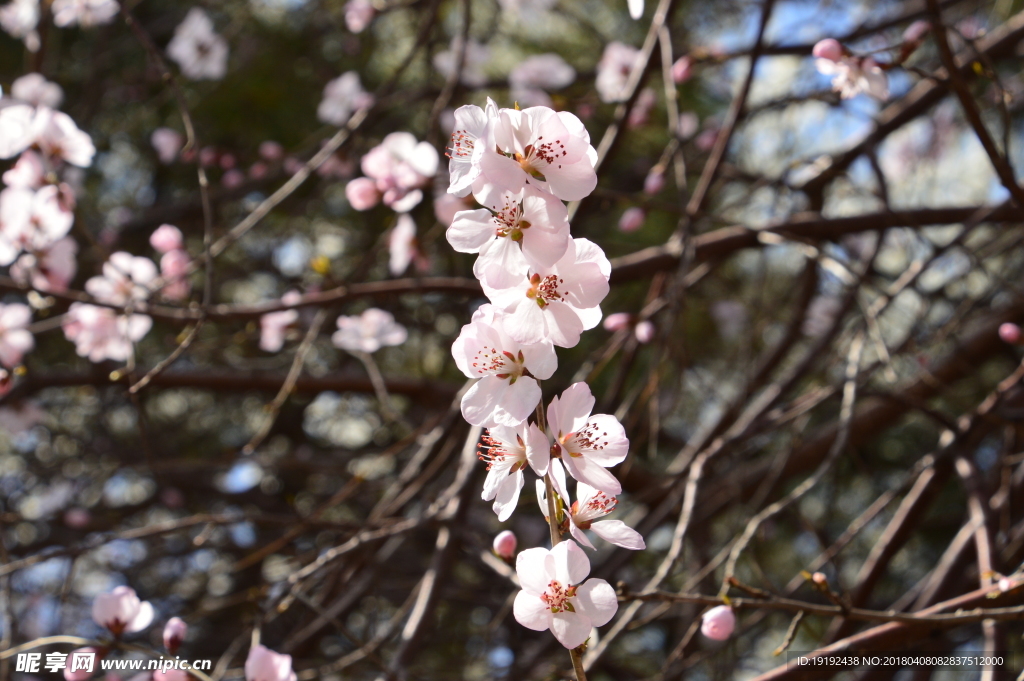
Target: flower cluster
<point>545,288</point>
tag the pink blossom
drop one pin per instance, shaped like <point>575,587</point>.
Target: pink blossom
<point>59,138</point>
<point>264,664</point>
<point>32,220</point>
<point>613,71</point>
<point>125,277</point>
<point>1008,584</point>
<point>362,193</point>
<point>34,89</point>
<point>556,597</point>
<point>16,131</point>
<point>644,331</point>
<point>468,145</point>
<point>655,181</point>
<point>271,151</point>
<point>174,634</point>
<point>174,270</point>
<point>100,333</point>
<point>227,161</point>
<point>590,505</point>
<point>166,238</point>
<point>85,13</point>
<point>636,8</point>
<point>27,173</point>
<point>507,391</point>
<point>167,143</point>
<point>19,19</point>
<point>369,332</point>
<point>208,156</point>
<point>588,444</point>
<point>121,611</point>
<point>641,111</point>
<point>829,49</point>
<point>201,53</point>
<point>48,269</point>
<point>473,73</point>
<point>403,247</point>
<point>15,338</point>
<point>358,15</point>
<point>689,123</point>
<point>682,69</point>
<point>80,674</point>
<point>545,71</point>
<point>632,219</point>
<point>1010,333</point>
<point>258,170</point>
<point>854,75</point>
<point>513,233</point>
<point>718,623</point>
<point>505,544</point>
<point>399,166</point>
<point>556,303</point>
<point>446,206</point>
<point>274,325</point>
<point>342,96</point>
<point>507,451</point>
<point>523,146</point>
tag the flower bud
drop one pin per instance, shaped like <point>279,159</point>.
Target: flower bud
<point>718,623</point>
<point>271,151</point>
<point>174,633</point>
<point>654,182</point>
<point>617,321</point>
<point>829,48</point>
<point>632,219</point>
<point>819,578</point>
<point>682,70</point>
<point>644,332</point>
<point>1007,583</point>
<point>505,545</point>
<point>1010,333</point>
<point>916,32</point>
<point>166,238</point>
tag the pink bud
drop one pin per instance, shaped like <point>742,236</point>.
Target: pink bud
<point>718,623</point>
<point>829,49</point>
<point>166,238</point>
<point>227,161</point>
<point>682,70</point>
<point>77,518</point>
<point>632,219</point>
<point>654,182</point>
<point>362,193</point>
<point>80,674</point>
<point>617,321</point>
<point>293,165</point>
<point>174,633</point>
<point>358,15</point>
<point>271,151</point>
<point>167,143</point>
<point>505,545</point>
<point>819,578</point>
<point>1010,333</point>
<point>644,332</point>
<point>258,170</point>
<point>1005,584</point>
<point>233,178</point>
<point>207,156</point>
<point>916,32</point>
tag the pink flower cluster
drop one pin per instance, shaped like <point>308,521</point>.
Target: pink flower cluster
<point>851,75</point>
<point>396,171</point>
<point>545,288</point>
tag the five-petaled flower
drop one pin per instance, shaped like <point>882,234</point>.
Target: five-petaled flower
<point>588,444</point>
<point>555,597</point>
<point>507,451</point>
<point>121,611</point>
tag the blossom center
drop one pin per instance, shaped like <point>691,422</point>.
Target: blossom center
<point>544,290</point>
<point>557,597</point>
<point>510,221</point>
<point>503,364</point>
<point>587,438</point>
<point>593,508</point>
<point>462,145</point>
<point>500,455</point>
